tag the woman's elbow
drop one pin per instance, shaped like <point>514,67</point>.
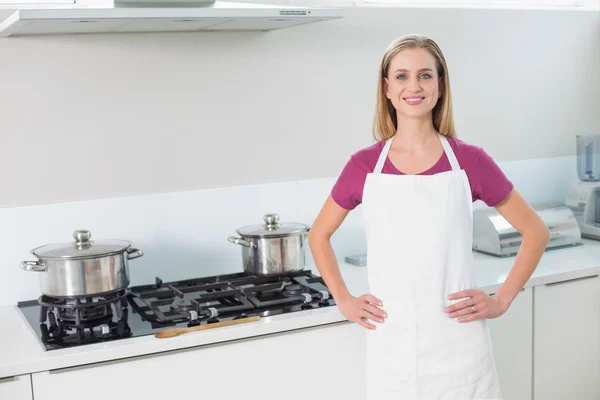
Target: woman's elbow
<point>543,234</point>
<point>315,236</point>
<point>312,236</point>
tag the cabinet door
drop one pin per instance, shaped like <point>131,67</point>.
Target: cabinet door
<point>16,388</point>
<point>325,362</point>
<point>567,340</point>
<point>512,335</point>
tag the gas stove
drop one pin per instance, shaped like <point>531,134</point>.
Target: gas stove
<point>147,309</point>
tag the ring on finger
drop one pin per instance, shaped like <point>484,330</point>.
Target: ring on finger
<point>473,309</point>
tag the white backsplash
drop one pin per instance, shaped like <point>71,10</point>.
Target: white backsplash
<point>184,235</point>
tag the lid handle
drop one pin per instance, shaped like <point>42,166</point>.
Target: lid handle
<point>82,238</point>
<point>271,222</point>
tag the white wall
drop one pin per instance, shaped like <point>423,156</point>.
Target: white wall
<point>102,116</point>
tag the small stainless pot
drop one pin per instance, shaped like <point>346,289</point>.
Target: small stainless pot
<point>83,267</point>
<point>272,248</point>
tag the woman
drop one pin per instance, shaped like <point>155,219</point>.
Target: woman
<point>427,335</point>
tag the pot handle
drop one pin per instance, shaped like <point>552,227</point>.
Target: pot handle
<point>35,266</point>
<point>239,241</point>
<point>134,253</point>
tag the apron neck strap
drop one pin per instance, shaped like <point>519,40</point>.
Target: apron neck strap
<point>447,149</point>
<point>449,153</point>
<point>383,156</point>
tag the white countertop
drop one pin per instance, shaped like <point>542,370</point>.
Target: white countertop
<point>21,352</point>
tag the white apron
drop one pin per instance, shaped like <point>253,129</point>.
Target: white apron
<point>419,238</point>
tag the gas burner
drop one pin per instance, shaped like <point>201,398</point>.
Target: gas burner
<point>78,310</point>
<point>87,314</point>
<point>83,319</point>
<point>292,290</point>
<point>185,305</point>
<point>60,335</point>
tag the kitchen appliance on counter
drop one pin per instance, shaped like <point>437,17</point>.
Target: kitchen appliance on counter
<point>360,260</point>
<point>148,309</point>
<point>492,234</point>
<point>584,197</point>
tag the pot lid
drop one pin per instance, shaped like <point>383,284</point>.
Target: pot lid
<point>273,228</point>
<point>82,247</point>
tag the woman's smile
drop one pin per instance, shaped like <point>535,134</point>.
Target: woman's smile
<point>414,100</point>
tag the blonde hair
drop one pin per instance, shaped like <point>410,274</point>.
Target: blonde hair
<point>385,123</point>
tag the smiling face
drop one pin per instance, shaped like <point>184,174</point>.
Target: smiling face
<point>412,83</point>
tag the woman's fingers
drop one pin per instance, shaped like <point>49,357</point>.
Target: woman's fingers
<point>472,317</point>
<point>362,321</point>
<point>377,312</point>
<point>373,300</point>
<point>461,305</point>
<point>370,316</point>
<point>464,311</point>
<point>364,309</point>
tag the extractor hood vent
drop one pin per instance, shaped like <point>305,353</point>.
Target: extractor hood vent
<point>132,16</point>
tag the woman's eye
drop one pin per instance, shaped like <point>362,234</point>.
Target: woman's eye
<point>401,76</point>
<point>426,76</point>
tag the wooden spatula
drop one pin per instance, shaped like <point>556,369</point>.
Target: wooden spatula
<point>168,333</point>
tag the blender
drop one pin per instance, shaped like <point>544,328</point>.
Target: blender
<point>584,197</point>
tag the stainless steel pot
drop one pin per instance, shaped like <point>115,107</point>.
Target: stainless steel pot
<point>83,267</point>
<point>272,248</point>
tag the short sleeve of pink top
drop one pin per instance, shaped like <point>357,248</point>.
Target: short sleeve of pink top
<point>488,182</point>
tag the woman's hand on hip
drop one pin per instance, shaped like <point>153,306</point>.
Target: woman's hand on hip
<point>476,305</point>
<point>361,309</point>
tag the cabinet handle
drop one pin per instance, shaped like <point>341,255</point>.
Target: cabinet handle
<point>115,361</point>
<point>522,290</point>
<point>571,280</point>
<point>7,379</point>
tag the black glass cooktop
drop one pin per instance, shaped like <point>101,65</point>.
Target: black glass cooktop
<point>147,309</point>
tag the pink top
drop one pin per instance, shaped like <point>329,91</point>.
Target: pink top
<point>488,182</point>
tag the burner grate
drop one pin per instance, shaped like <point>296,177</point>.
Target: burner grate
<point>188,301</point>
<point>79,320</point>
<point>210,299</point>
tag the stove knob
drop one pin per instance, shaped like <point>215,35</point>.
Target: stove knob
<point>104,330</point>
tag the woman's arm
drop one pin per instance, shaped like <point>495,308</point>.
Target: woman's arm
<point>536,235</point>
<point>328,221</point>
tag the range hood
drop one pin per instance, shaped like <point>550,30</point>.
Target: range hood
<point>126,16</point>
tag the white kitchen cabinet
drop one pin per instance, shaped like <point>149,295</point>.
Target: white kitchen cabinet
<point>567,340</point>
<point>16,388</point>
<point>512,341</point>
<point>324,362</point>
